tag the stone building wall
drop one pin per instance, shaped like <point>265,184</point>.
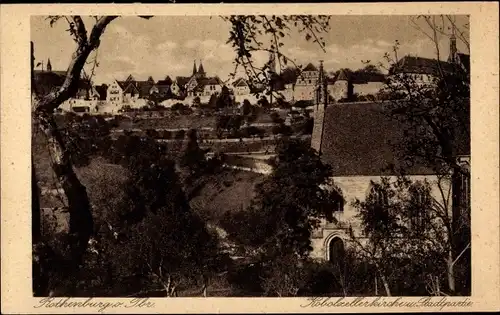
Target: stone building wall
<point>357,187</point>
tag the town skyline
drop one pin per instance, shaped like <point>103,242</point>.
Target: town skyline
<point>158,49</point>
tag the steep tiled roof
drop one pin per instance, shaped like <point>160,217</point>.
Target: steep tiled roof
<point>144,87</point>
<point>123,84</point>
<point>167,81</point>
<point>310,67</point>
<point>202,82</point>
<point>141,87</point>
<point>420,65</point>
<point>361,139</point>
<point>163,88</point>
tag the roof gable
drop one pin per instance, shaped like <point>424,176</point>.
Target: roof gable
<point>130,87</point>
<point>240,82</point>
<point>310,67</point>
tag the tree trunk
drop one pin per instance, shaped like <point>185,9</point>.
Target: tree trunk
<point>80,222</point>
<point>80,219</point>
<point>450,273</point>
<point>386,285</point>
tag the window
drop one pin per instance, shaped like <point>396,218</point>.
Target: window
<point>338,205</point>
<point>380,196</point>
<point>419,207</point>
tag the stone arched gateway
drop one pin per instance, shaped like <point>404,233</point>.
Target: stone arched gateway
<point>334,248</point>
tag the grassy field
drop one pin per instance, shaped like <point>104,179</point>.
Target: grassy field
<point>230,190</point>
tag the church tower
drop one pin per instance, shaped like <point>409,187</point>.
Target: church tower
<point>194,68</point>
<point>319,109</point>
<point>49,66</point>
<point>201,71</point>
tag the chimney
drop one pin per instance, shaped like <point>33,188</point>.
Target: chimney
<point>49,66</point>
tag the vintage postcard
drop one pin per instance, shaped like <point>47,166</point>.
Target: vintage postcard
<point>250,158</point>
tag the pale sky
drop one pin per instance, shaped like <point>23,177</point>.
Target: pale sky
<point>168,45</point>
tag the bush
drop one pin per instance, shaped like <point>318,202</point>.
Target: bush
<point>180,135</point>
<point>167,134</point>
<point>178,106</point>
<point>263,102</point>
<point>152,133</point>
<point>282,129</point>
<point>246,108</point>
<point>276,118</point>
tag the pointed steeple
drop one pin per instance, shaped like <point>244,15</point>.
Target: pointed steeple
<point>49,66</point>
<point>453,46</point>
<point>194,68</point>
<point>201,71</point>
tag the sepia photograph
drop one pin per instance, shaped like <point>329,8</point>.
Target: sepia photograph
<point>251,156</point>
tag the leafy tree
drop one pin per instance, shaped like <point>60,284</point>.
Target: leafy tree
<point>193,157</point>
<point>370,69</point>
<point>224,98</point>
<point>196,101</point>
<point>275,117</point>
<point>437,114</point>
<point>407,229</point>
<point>221,124</point>
<point>290,201</point>
<point>212,102</point>
<point>246,108</point>
<point>180,135</point>
<point>263,102</point>
<point>234,124</point>
<point>178,107</point>
<point>81,220</point>
<point>160,243</point>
